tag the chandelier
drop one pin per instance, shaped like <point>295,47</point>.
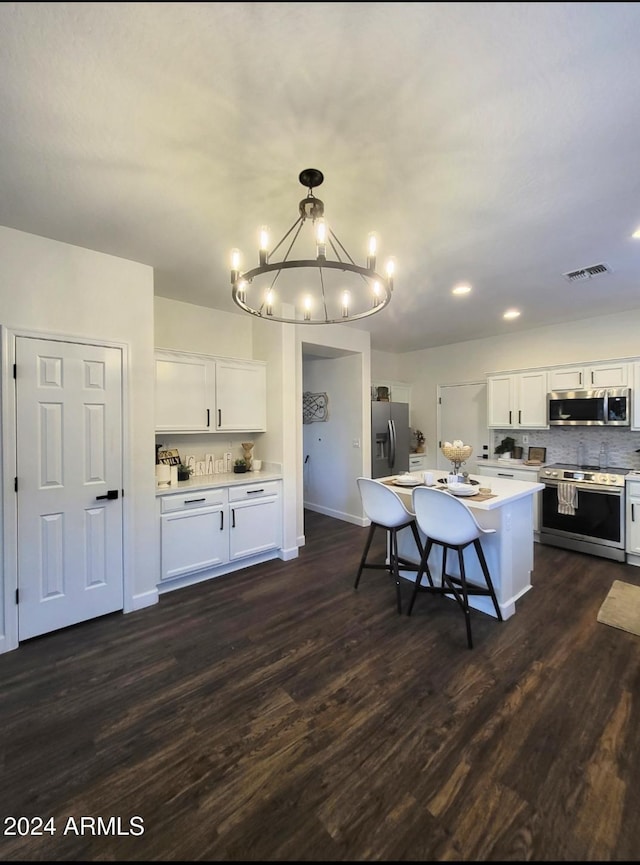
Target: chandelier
<point>323,284</point>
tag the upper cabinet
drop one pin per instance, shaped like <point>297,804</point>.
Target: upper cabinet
<point>185,392</point>
<point>196,393</point>
<point>394,391</point>
<point>241,395</point>
<point>517,400</point>
<point>585,376</point>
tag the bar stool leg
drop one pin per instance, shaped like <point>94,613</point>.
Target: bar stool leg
<point>465,596</point>
<point>394,566</point>
<point>363,560</point>
<point>487,576</point>
<point>424,568</point>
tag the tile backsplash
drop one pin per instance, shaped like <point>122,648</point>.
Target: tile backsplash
<point>562,444</point>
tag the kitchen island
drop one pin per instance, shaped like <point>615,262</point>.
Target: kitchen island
<point>509,551</point>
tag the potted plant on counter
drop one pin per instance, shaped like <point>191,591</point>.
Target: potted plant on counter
<point>184,472</point>
<point>420,440</point>
<point>240,466</point>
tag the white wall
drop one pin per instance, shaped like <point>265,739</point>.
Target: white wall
<point>275,343</point>
<point>579,341</point>
<point>331,463</point>
<point>57,289</point>
<point>186,327</point>
<point>335,341</point>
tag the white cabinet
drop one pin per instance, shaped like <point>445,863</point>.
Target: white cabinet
<point>399,391</point>
<point>515,475</point>
<point>633,522</point>
<point>418,462</point>
<point>255,521</point>
<point>197,393</point>
<point>206,532</point>
<point>185,392</point>
<point>193,532</point>
<point>517,400</point>
<point>241,395</point>
<point>585,376</point>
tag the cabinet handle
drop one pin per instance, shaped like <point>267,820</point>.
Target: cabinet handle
<point>208,418</point>
<point>591,376</point>
<point>509,417</point>
<point>233,518</point>
<point>253,492</point>
<point>633,513</point>
<point>221,520</point>
<point>504,475</point>
<point>192,501</point>
<point>519,416</point>
<point>579,378</point>
<point>219,417</point>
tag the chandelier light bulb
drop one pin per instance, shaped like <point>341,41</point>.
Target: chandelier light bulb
<point>235,264</point>
<point>264,245</point>
<point>307,307</point>
<point>391,269</point>
<point>372,250</point>
<point>242,287</point>
<point>346,299</point>
<point>377,291</point>
<point>321,238</point>
<point>269,302</point>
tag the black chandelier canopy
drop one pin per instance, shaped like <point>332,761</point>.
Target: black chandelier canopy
<point>323,285</point>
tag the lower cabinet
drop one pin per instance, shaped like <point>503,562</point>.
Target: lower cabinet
<point>193,532</point>
<point>633,522</point>
<point>207,530</point>
<point>515,475</point>
<point>255,521</point>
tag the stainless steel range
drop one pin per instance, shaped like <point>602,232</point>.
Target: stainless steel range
<point>583,509</point>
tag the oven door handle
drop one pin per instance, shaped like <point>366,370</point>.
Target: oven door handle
<point>588,488</point>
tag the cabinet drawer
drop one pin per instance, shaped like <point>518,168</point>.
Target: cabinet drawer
<point>190,500</point>
<point>253,491</point>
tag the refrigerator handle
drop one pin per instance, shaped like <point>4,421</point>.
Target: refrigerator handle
<point>392,444</point>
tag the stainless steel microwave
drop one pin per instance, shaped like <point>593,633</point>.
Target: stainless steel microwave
<point>608,406</point>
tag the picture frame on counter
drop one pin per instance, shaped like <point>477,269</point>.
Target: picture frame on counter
<point>537,453</point>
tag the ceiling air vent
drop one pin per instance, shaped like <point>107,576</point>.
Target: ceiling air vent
<point>587,272</point>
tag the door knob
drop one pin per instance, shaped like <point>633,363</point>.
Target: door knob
<point>111,494</point>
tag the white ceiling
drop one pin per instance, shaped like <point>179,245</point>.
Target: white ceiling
<point>495,143</point>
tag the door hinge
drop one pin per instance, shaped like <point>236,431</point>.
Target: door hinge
<point>15,485</point>
<point>17,596</point>
<point>15,370</point>
<point>439,400</point>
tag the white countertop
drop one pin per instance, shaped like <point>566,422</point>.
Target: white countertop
<point>211,482</point>
<point>504,490</point>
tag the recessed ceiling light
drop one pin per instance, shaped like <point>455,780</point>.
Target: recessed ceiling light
<point>511,313</point>
<point>463,288</point>
<point>636,233</point>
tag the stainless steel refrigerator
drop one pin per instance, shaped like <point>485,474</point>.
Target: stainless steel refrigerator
<point>390,438</point>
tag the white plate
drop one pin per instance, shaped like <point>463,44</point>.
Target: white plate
<point>407,481</point>
<point>462,490</point>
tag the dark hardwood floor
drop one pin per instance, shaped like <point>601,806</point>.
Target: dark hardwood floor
<point>277,714</point>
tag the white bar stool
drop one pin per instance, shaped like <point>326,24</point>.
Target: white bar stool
<point>387,511</point>
<point>449,523</point>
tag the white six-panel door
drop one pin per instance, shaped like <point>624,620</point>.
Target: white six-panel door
<point>69,456</point>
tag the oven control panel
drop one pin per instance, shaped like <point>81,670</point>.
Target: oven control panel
<point>581,477</point>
